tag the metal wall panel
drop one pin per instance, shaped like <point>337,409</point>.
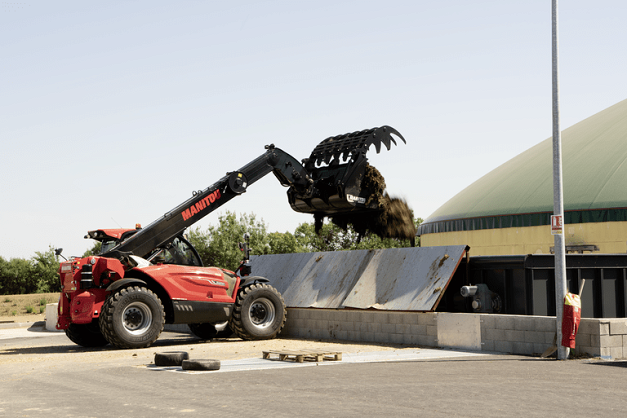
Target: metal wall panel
<point>389,279</point>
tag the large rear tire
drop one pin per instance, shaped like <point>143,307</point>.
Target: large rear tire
<point>259,313</point>
<point>86,335</point>
<point>132,317</point>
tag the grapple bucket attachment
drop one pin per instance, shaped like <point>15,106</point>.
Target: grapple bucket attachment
<point>343,181</point>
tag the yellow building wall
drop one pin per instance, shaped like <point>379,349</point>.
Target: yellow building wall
<point>610,237</point>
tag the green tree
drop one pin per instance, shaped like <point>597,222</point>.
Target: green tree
<point>16,277</point>
<point>218,245</point>
<point>334,238</point>
<point>94,250</point>
<point>45,271</point>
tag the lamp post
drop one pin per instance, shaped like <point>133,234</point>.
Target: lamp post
<point>558,204</point>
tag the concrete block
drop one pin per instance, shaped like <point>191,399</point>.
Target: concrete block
<point>418,329</point>
<point>504,322</point>
<point>605,352</point>
<point>589,351</point>
<point>382,318</point>
<point>427,318</point>
<point>503,346</point>
<point>293,313</point>
<point>347,326</point>
<point>341,335</point>
<point>611,341</point>
<point>616,352</point>
<point>408,339</point>
<point>363,326</point>
<point>340,315</point>
<point>353,316</point>
<point>388,328</point>
<point>396,317</point>
<point>495,334</point>
<point>544,324</point>
<point>539,348</point>
<point>604,328</point>
<point>432,330</point>
<point>549,337</point>
<point>589,326</point>
<point>534,337</point>
<point>398,339</point>
<point>514,336</point>
<point>369,316</point>
<point>487,345</point>
<point>522,348</point>
<point>354,335</point>
<point>487,321</point>
<point>409,318</point>
<point>426,340</point>
<point>624,342</point>
<point>403,328</point>
<point>374,327</point>
<point>618,326</point>
<point>381,337</point>
<point>524,323</point>
<point>583,339</point>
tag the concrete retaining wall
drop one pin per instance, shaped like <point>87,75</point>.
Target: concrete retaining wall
<point>514,334</point>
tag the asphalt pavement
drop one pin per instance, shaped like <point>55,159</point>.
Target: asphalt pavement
<point>42,374</point>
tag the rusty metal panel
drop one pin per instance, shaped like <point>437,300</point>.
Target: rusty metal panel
<point>389,279</point>
<point>406,279</point>
<point>312,280</point>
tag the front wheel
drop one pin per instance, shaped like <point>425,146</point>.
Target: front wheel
<point>259,313</point>
<point>132,317</point>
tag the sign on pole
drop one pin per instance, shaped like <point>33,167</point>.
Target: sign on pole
<point>557,224</point>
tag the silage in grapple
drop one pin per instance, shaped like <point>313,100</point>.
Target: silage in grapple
<point>394,219</point>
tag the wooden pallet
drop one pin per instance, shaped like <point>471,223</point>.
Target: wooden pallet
<point>302,355</point>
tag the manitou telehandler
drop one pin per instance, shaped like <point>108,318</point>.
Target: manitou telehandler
<point>147,277</point>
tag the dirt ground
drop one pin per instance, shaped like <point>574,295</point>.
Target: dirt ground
<point>15,308</point>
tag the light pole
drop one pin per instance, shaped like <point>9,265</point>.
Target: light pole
<point>558,203</point>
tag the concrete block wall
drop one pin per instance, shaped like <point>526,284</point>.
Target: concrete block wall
<point>513,334</point>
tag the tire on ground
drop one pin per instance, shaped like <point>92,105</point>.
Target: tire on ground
<point>259,313</point>
<point>201,364</point>
<point>86,335</point>
<point>132,317</point>
<point>170,358</point>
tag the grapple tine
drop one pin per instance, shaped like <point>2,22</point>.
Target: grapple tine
<point>342,146</point>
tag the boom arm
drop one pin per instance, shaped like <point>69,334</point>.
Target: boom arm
<point>286,168</point>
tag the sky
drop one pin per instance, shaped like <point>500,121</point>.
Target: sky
<point>112,113</point>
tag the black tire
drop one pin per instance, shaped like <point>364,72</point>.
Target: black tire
<point>86,335</point>
<point>259,313</point>
<point>132,317</point>
<point>201,365</point>
<point>170,358</point>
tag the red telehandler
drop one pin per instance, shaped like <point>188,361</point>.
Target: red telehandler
<point>147,277</point>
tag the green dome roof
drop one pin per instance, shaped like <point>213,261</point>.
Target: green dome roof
<point>594,166</point>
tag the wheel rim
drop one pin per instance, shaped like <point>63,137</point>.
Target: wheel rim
<point>137,318</point>
<point>261,313</point>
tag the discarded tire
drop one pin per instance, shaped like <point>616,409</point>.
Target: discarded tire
<point>170,358</point>
<point>201,364</point>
